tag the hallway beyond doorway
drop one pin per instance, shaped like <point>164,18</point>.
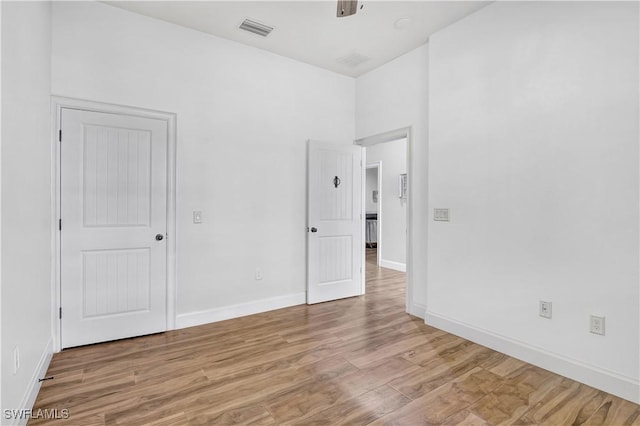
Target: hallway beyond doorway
<point>383,280</point>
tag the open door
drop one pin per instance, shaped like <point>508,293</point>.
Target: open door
<point>334,221</point>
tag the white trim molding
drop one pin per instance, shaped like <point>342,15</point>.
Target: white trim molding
<point>384,137</point>
<point>192,319</point>
<point>375,165</point>
<point>418,310</point>
<point>396,266</point>
<point>608,381</point>
<point>29,398</point>
<point>57,104</point>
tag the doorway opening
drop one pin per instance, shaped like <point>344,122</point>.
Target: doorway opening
<point>386,209</point>
<point>373,208</point>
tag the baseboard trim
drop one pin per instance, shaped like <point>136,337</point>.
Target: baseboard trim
<point>31,393</point>
<point>396,266</point>
<point>608,381</point>
<point>192,319</point>
<point>417,310</point>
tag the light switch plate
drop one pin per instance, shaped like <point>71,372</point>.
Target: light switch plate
<point>197,216</point>
<point>441,215</point>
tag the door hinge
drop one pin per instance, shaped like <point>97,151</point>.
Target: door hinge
<point>59,224</point>
<point>60,312</point>
<point>60,135</point>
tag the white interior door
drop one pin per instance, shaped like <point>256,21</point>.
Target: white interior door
<point>334,222</point>
<point>113,204</point>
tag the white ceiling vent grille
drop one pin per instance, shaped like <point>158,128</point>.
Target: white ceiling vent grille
<point>256,27</point>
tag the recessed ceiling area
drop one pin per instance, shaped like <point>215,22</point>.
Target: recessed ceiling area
<point>309,31</point>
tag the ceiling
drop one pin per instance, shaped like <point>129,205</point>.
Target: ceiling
<point>309,31</point>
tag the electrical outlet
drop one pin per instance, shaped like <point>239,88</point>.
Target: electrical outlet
<point>16,360</point>
<point>545,309</point>
<point>597,325</point>
<point>197,216</point>
<point>258,274</point>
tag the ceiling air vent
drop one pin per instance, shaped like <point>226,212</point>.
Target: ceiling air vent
<point>256,27</point>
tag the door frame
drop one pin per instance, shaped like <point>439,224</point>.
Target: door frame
<point>57,104</point>
<point>404,132</point>
<point>378,166</point>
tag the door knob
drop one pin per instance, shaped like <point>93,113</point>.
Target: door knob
<point>159,237</point>
<point>314,229</point>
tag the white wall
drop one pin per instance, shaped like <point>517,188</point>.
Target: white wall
<point>1,353</point>
<point>26,199</point>
<point>392,223</point>
<point>243,116</point>
<point>534,148</point>
<point>391,97</point>
<point>371,185</point>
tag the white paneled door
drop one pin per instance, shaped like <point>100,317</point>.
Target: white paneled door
<point>334,234</point>
<point>113,205</point>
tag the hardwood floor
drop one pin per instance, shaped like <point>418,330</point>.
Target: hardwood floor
<point>355,361</point>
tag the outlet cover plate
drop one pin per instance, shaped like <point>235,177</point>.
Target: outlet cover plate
<point>197,216</point>
<point>545,309</point>
<point>16,360</point>
<point>441,215</point>
<point>597,325</point>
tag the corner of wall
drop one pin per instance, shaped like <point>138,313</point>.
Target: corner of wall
<point>418,310</point>
<point>26,258</point>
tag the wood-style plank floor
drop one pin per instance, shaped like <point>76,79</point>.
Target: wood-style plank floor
<point>356,361</point>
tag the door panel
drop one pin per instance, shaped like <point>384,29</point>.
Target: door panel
<point>336,259</point>
<point>115,281</point>
<point>334,220</point>
<point>337,203</point>
<point>113,204</point>
<point>116,181</point>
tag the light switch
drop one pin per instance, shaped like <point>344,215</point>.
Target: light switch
<point>441,215</point>
<point>197,216</point>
